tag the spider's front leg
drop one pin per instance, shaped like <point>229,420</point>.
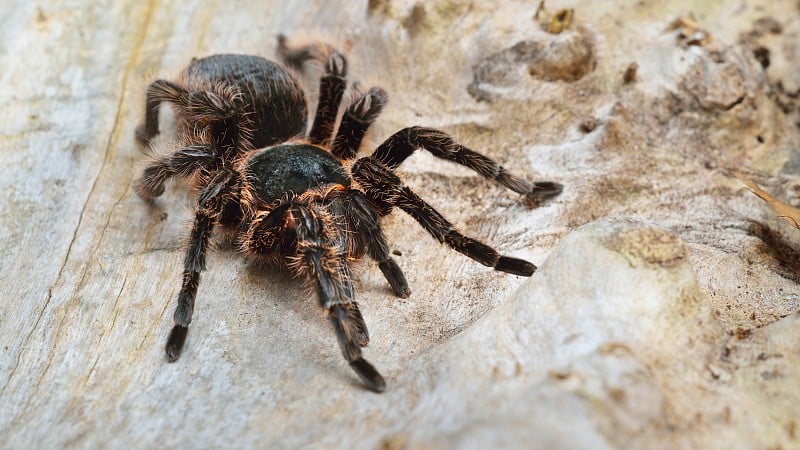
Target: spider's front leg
<point>323,259</point>
<point>211,205</point>
<point>320,257</point>
<point>385,189</point>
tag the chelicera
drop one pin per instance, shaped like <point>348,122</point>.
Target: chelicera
<point>286,194</point>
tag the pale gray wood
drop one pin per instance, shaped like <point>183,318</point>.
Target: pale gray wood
<point>89,272</point>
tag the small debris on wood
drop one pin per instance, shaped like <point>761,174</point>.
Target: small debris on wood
<point>630,73</point>
<point>588,125</point>
<point>762,55</point>
<point>689,32</point>
<point>556,22</point>
<point>788,213</point>
<point>742,333</point>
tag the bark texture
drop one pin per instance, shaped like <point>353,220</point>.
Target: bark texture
<point>664,313</point>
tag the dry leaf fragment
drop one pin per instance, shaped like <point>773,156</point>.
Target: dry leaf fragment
<point>784,211</point>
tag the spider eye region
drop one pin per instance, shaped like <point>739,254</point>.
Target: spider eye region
<point>293,168</point>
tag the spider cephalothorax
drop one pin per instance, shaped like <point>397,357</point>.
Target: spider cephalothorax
<point>286,195</point>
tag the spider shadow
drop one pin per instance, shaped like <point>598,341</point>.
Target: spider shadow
<point>296,306</point>
<point>289,302</point>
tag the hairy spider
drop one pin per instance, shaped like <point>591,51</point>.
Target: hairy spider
<point>286,195</point>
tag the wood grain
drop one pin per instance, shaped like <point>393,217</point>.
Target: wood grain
<point>89,272</point>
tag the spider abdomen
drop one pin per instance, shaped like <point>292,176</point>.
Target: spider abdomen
<point>274,99</point>
<point>292,169</point>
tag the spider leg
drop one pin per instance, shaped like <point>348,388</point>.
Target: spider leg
<point>383,187</point>
<point>295,57</point>
<point>210,206</point>
<point>403,143</point>
<point>158,91</point>
<point>320,257</point>
<point>334,287</point>
<point>362,220</point>
<point>331,90</point>
<point>347,334</point>
<point>331,86</point>
<point>323,260</point>
<point>356,119</point>
<point>203,106</point>
<point>182,163</point>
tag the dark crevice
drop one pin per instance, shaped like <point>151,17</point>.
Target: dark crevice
<point>780,248</point>
<point>734,104</point>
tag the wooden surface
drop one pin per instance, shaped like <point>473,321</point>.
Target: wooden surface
<point>90,272</point>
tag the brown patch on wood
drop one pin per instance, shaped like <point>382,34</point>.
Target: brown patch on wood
<point>630,73</point>
<point>378,7</point>
<point>767,25</point>
<point>40,16</point>
<point>761,54</point>
<point>415,20</point>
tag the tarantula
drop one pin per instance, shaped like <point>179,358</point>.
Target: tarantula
<point>287,195</point>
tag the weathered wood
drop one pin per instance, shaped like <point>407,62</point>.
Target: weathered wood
<point>89,272</point>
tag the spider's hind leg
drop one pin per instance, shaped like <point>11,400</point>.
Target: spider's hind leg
<point>214,105</point>
<point>356,120</point>
<point>158,91</point>
<point>331,90</point>
<point>196,157</point>
<point>182,163</point>
<point>331,86</point>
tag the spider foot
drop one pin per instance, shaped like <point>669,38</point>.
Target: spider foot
<point>146,190</point>
<point>336,65</point>
<point>368,374</point>
<point>515,266</point>
<point>542,190</point>
<point>351,334</point>
<point>369,104</point>
<point>175,341</point>
<point>360,333</point>
<point>393,274</point>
